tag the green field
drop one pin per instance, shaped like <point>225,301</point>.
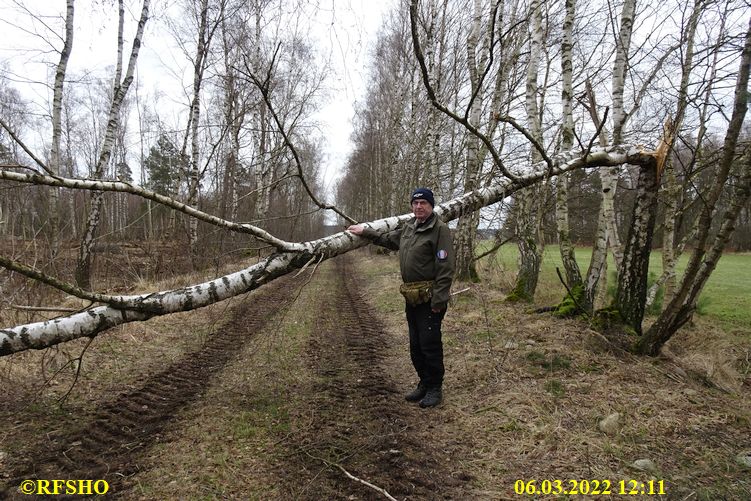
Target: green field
<point>726,297</point>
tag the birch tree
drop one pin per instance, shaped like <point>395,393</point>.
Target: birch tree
<point>707,250</point>
<point>529,202</point>
<point>568,257</point>
<point>121,85</point>
<point>57,103</point>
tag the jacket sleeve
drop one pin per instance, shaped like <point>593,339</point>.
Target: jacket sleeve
<point>389,240</point>
<point>444,266</point>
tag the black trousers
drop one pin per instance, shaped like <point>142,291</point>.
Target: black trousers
<point>425,345</point>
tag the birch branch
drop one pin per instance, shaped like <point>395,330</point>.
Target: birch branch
<point>263,87</point>
<point>123,187</point>
<point>442,108</point>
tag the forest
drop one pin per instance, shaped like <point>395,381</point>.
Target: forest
<point>610,133</point>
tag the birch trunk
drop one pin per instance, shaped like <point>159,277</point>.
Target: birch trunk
<point>620,66</point>
<point>631,292</point>
<point>83,268</point>
<point>609,177</point>
<point>633,264</point>
<point>528,232</point>
<point>467,225</point>
<point>596,280</point>
<point>704,257</point>
<point>57,104</point>
<point>195,115</point>
<point>263,165</point>
<point>568,256</point>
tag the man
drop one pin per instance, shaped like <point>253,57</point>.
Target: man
<point>426,260</point>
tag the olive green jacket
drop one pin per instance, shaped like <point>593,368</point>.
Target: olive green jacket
<point>426,252</point>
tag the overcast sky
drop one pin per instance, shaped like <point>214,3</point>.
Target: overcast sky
<point>344,32</point>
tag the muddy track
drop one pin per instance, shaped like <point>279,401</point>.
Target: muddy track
<point>111,444</point>
<point>362,422</point>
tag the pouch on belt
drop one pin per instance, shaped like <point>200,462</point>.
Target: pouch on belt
<point>417,292</point>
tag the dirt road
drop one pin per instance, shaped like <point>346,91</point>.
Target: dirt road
<point>350,426</point>
<point>362,423</point>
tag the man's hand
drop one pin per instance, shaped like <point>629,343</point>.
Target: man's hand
<point>356,229</point>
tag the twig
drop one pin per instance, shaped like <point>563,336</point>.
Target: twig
<point>69,288</point>
<point>44,308</point>
<point>305,266</point>
<point>62,399</point>
<point>495,248</point>
<point>597,133</point>
<point>459,292</point>
<point>374,487</point>
<point>516,125</point>
<point>26,149</point>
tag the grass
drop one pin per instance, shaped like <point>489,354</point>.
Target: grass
<point>726,297</point>
<point>527,398</point>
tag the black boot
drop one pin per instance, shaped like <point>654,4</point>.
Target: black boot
<point>416,394</point>
<point>432,397</point>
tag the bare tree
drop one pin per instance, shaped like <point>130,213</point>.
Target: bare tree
<point>62,67</point>
<point>707,251</point>
<point>568,256</point>
<point>121,86</point>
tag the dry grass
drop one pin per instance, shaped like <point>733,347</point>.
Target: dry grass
<point>34,382</point>
<point>230,444</point>
<point>527,392</point>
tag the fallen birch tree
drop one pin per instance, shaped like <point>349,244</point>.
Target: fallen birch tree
<point>288,256</point>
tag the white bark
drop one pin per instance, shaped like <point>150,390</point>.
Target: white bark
<point>568,256</point>
<point>467,225</point>
<point>57,104</point>
<point>120,90</point>
<point>195,115</point>
<point>89,323</point>
<point>528,213</point>
<point>620,67</point>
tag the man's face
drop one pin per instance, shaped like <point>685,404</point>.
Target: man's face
<point>421,209</point>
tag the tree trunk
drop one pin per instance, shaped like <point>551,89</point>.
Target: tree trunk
<point>568,255</point>
<point>620,67</point>
<point>57,104</point>
<point>83,268</point>
<point>703,260</point>
<point>527,221</point>
<point>632,278</point>
<point>467,225</point>
<point>195,115</point>
<point>530,253</point>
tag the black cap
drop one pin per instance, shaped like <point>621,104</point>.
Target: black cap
<point>423,194</point>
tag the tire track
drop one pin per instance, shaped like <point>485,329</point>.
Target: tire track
<point>111,443</point>
<point>362,422</point>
